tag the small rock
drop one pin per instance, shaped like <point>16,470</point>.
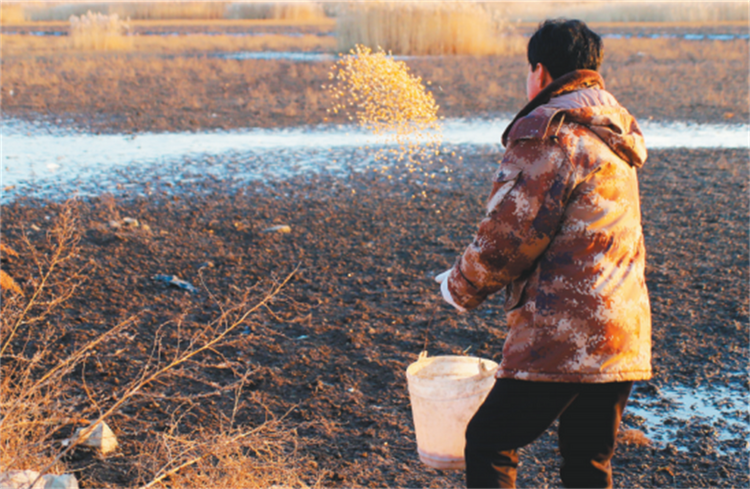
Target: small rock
<point>115,224</point>
<point>129,221</point>
<point>65,481</point>
<point>16,479</point>
<point>101,437</point>
<point>176,282</point>
<point>282,228</point>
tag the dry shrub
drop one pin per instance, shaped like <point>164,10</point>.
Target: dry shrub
<point>39,403</point>
<point>606,11</point>
<point>98,31</point>
<point>301,11</point>
<point>429,28</point>
<point>266,456</point>
<point>635,438</point>
<point>12,13</point>
<point>33,402</point>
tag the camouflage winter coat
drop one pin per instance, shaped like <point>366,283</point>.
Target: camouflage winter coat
<point>563,234</point>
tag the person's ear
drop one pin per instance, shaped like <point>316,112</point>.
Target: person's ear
<point>537,78</point>
<point>544,77</point>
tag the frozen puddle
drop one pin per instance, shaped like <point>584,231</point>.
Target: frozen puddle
<point>687,37</point>
<point>680,414</point>
<point>278,55</point>
<point>34,153</point>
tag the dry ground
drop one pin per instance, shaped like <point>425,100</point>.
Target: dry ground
<point>335,345</point>
<point>167,84</point>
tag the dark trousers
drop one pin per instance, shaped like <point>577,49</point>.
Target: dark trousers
<point>517,412</point>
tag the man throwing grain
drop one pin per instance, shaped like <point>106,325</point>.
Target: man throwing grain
<point>563,236</point>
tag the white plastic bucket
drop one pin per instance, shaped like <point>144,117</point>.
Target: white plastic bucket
<point>445,392</point>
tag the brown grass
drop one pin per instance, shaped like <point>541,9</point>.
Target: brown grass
<point>142,90</point>
<point>190,88</point>
<point>608,11</point>
<point>98,31</point>
<point>169,10</point>
<point>708,74</point>
<point>38,45</point>
<point>11,13</point>
<point>61,11</point>
<point>266,456</point>
<point>618,51</point>
<point>294,11</point>
<point>424,28</point>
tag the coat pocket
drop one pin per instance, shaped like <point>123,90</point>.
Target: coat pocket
<point>504,182</point>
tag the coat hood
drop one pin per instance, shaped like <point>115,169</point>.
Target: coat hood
<point>579,97</point>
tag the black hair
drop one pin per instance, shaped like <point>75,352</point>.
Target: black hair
<point>563,46</point>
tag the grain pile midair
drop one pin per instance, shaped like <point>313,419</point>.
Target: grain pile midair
<point>381,95</point>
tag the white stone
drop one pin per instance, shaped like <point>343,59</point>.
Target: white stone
<point>65,481</point>
<point>101,437</point>
<point>283,228</point>
<point>17,479</point>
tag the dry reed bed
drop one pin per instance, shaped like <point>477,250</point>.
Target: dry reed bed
<point>661,78</point>
<point>22,45</point>
<point>99,31</point>
<point>614,11</point>
<point>160,10</point>
<point>425,28</point>
<point>590,11</point>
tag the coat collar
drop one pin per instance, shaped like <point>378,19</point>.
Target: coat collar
<point>570,82</point>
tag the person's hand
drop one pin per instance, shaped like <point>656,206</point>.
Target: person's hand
<point>442,279</point>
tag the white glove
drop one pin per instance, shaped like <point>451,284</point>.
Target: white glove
<point>442,279</point>
<point>439,278</point>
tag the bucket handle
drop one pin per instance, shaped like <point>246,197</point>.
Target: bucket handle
<point>485,371</point>
<point>422,355</point>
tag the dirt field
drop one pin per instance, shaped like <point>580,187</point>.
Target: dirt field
<point>330,352</point>
<point>357,311</point>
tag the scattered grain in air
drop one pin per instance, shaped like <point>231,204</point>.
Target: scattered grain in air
<point>386,100</point>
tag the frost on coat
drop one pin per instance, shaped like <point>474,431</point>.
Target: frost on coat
<point>563,233</point>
